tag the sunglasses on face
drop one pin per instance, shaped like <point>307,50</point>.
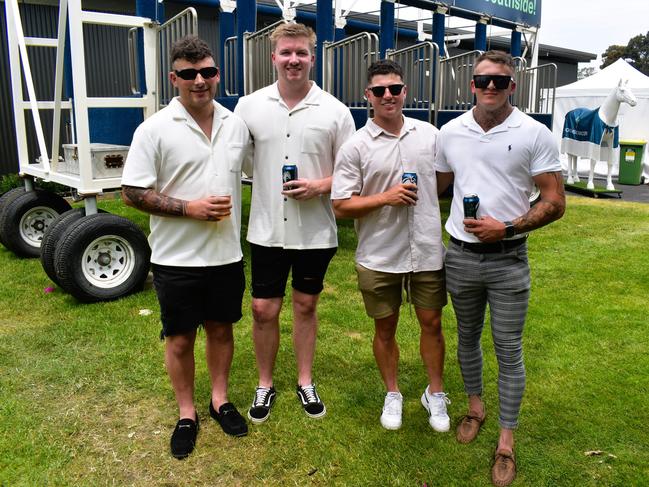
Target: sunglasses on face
<point>482,81</point>
<point>379,91</point>
<point>190,74</point>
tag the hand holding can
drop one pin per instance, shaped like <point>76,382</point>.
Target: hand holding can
<point>471,203</point>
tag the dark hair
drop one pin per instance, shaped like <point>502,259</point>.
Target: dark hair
<point>498,57</point>
<point>383,66</point>
<point>192,48</point>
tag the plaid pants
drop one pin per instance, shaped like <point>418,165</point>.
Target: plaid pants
<point>503,281</point>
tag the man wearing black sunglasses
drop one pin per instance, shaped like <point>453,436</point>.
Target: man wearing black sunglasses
<point>184,168</point>
<point>498,153</point>
<point>399,235</point>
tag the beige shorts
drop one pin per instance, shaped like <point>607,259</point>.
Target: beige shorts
<point>382,291</point>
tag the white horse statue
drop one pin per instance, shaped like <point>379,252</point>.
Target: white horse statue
<point>594,134</point>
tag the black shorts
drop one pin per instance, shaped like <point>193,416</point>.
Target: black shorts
<point>270,267</point>
<point>190,296</point>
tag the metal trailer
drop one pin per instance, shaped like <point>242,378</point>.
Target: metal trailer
<point>92,254</point>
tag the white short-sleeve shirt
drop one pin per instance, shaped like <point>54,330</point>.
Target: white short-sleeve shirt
<point>308,136</point>
<point>395,239</point>
<point>497,165</point>
<point>171,154</point>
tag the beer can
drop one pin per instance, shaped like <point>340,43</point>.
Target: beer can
<point>471,204</point>
<point>289,173</point>
<point>409,177</point>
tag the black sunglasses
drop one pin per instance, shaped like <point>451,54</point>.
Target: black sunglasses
<point>379,91</point>
<point>190,74</point>
<point>482,81</point>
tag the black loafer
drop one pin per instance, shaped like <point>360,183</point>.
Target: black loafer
<point>183,438</point>
<point>230,420</point>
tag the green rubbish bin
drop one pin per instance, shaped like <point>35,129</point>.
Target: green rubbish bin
<point>631,161</point>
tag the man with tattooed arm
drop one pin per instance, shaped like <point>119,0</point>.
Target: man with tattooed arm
<point>184,168</point>
<point>498,153</point>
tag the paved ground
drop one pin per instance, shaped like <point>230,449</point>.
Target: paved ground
<point>638,193</point>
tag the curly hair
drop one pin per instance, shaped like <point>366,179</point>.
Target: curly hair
<point>192,48</point>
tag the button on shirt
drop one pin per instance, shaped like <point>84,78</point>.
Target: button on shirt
<point>497,165</point>
<point>307,136</point>
<point>171,154</point>
<point>395,239</point>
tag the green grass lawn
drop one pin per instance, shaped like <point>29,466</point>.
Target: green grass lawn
<point>85,399</point>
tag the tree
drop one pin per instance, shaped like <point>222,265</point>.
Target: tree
<point>585,72</point>
<point>636,51</point>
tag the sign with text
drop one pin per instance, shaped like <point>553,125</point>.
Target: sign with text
<point>519,11</point>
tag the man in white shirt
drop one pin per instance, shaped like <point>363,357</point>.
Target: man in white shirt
<point>184,168</point>
<point>399,234</point>
<point>292,226</point>
<point>498,153</point>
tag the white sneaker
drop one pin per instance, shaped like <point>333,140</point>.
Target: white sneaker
<point>392,407</point>
<point>435,404</point>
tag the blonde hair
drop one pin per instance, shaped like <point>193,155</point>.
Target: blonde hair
<point>293,30</point>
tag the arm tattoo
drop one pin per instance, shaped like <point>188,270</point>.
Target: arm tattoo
<point>550,208</point>
<point>153,202</point>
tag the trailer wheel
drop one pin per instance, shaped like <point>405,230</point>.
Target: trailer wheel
<point>25,219</point>
<point>7,198</point>
<point>102,257</point>
<point>52,236</point>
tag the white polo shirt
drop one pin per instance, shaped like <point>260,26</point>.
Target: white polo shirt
<point>171,154</point>
<point>307,136</point>
<point>497,165</point>
<point>394,239</point>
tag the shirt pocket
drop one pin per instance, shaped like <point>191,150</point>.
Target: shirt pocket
<point>315,140</point>
<point>236,154</point>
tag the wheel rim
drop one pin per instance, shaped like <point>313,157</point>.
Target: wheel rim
<point>34,223</point>
<point>108,261</point>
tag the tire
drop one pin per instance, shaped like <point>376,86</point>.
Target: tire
<point>52,236</point>
<point>24,220</point>
<point>7,198</point>
<point>102,257</point>
<point>535,196</point>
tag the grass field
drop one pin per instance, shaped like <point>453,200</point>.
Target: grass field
<point>85,399</point>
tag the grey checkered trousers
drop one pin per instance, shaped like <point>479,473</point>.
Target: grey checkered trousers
<point>503,281</point>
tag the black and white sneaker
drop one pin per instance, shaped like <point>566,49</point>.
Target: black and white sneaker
<point>261,404</point>
<point>313,406</point>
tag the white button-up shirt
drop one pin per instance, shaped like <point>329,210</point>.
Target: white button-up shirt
<point>171,154</point>
<point>308,136</point>
<point>395,239</point>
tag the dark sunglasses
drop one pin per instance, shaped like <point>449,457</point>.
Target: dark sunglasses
<point>190,74</point>
<point>482,81</point>
<point>379,91</point>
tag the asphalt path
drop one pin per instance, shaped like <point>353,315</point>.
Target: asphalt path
<point>639,193</point>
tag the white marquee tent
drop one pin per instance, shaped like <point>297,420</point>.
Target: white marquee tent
<point>590,93</point>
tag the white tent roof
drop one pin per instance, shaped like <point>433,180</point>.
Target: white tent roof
<point>601,83</point>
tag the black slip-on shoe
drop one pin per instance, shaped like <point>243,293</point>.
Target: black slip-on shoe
<point>230,420</point>
<point>183,439</point>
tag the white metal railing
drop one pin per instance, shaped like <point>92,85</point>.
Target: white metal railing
<point>258,70</point>
<point>455,81</point>
<point>345,66</point>
<point>229,78</point>
<point>183,24</point>
<point>420,64</point>
<point>535,89</point>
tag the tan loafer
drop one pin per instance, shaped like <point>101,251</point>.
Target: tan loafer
<point>504,470</point>
<point>469,427</point>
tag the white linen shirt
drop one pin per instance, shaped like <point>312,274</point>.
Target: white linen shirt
<point>308,136</point>
<point>396,239</point>
<point>497,165</point>
<point>171,154</point>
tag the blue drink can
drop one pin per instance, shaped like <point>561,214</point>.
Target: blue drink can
<point>471,204</point>
<point>409,177</point>
<point>289,173</point>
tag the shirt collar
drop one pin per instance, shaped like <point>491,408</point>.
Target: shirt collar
<point>515,119</point>
<point>179,112</point>
<point>312,98</point>
<point>375,130</point>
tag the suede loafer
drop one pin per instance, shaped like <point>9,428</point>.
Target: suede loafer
<point>503,472</point>
<point>183,438</point>
<point>469,427</point>
<point>232,423</point>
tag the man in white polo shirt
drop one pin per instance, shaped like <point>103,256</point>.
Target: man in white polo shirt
<point>399,234</point>
<point>292,226</point>
<point>184,168</point>
<point>498,153</point>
